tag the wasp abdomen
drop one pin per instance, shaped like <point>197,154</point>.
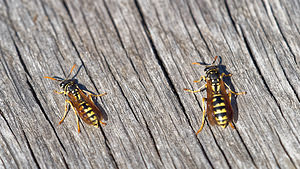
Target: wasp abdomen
<point>87,114</point>
<point>220,110</point>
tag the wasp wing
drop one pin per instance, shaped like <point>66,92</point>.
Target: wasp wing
<point>227,101</point>
<point>209,103</point>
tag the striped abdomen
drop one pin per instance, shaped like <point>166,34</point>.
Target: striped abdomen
<point>87,114</point>
<point>220,110</point>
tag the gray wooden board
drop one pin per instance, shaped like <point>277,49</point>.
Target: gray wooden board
<point>140,53</point>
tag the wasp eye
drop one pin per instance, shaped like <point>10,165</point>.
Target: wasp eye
<point>61,85</point>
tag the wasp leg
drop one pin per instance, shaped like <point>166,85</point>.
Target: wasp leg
<point>91,94</point>
<point>226,75</point>
<point>230,123</point>
<point>77,120</point>
<point>195,91</point>
<point>104,124</point>
<point>90,97</point>
<point>203,117</point>
<point>201,78</point>
<point>233,91</point>
<point>76,114</point>
<point>58,92</point>
<point>65,113</point>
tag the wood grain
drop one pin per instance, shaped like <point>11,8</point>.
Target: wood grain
<point>140,53</point>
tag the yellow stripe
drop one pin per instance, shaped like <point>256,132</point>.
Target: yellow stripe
<point>221,118</point>
<point>93,118</point>
<point>88,109</point>
<point>215,99</point>
<point>82,103</point>
<point>222,122</point>
<point>96,123</point>
<point>218,111</point>
<point>90,116</point>
<point>217,95</point>
<point>219,104</point>
<point>223,126</point>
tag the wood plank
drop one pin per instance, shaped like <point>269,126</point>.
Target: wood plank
<point>140,53</point>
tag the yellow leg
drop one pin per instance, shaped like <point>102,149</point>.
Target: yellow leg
<point>231,125</point>
<point>59,92</point>
<point>226,75</point>
<point>77,119</point>
<point>229,95</point>
<point>91,94</point>
<point>203,116</point>
<point>76,115</point>
<point>104,124</point>
<point>233,91</point>
<point>195,91</point>
<point>66,109</point>
<point>201,78</point>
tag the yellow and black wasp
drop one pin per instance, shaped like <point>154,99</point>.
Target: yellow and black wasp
<point>82,104</point>
<point>218,101</point>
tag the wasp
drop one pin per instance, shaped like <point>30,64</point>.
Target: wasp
<point>218,101</point>
<point>81,103</point>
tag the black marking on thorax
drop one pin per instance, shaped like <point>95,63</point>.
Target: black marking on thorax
<point>215,81</point>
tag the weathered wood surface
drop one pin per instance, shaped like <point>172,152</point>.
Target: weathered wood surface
<point>140,53</point>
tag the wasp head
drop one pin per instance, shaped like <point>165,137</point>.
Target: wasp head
<point>68,85</point>
<point>211,69</point>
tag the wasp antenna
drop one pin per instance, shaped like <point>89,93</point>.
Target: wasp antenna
<point>215,59</point>
<point>199,63</point>
<point>50,78</point>
<point>71,71</point>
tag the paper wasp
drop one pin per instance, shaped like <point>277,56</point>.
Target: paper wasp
<point>82,104</point>
<point>218,101</point>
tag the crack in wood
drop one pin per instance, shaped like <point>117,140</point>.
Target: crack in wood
<point>149,37</point>
<point>282,34</point>
<point>31,151</point>
<point>45,114</point>
<point>245,146</point>
<point>198,29</point>
<point>11,152</point>
<point>230,16</point>
<point>284,149</point>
